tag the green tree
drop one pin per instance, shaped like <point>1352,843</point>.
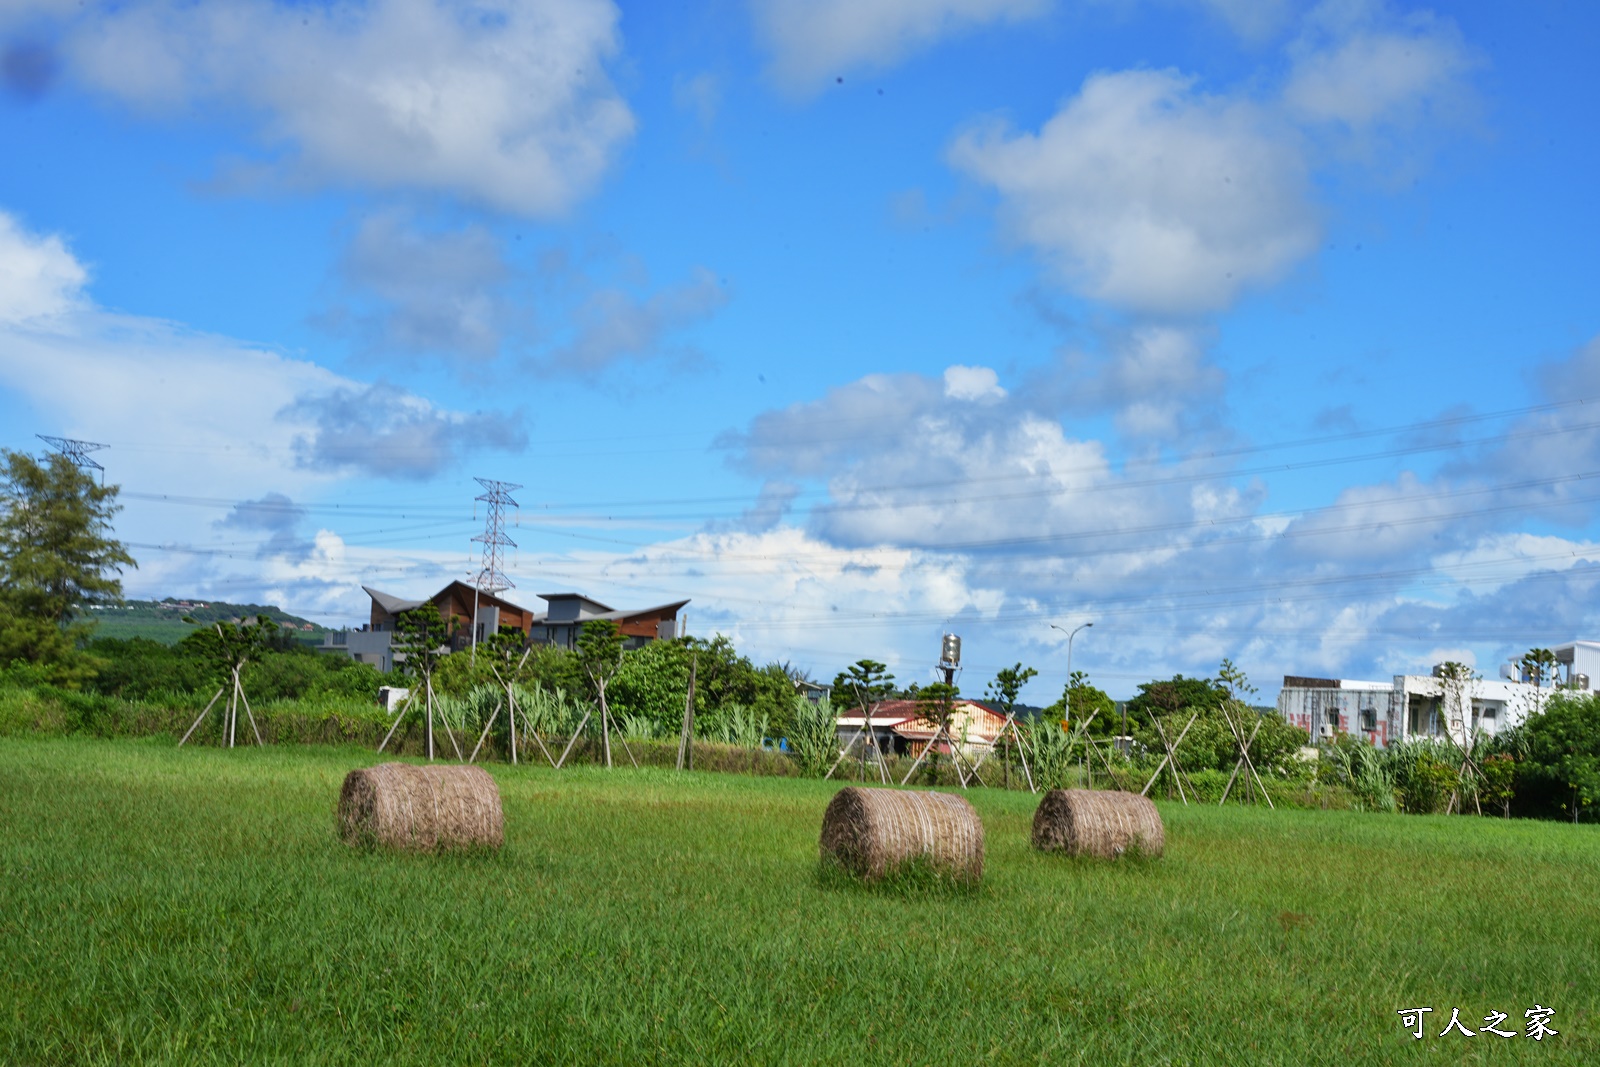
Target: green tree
<point>1178,694</point>
<point>652,683</point>
<point>1540,665</point>
<point>600,655</point>
<point>1079,700</point>
<point>864,682</point>
<point>419,644</point>
<point>51,653</point>
<point>57,559</point>
<point>1235,681</point>
<point>1007,686</point>
<point>225,646</point>
<point>420,639</point>
<point>1561,771</point>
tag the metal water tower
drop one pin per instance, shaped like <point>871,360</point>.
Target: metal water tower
<point>950,651</point>
<point>950,657</point>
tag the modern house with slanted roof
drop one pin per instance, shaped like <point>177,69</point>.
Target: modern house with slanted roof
<point>459,604</point>
<point>561,624</point>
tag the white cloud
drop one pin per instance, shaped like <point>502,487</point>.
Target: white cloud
<point>1370,77</point>
<point>908,462</point>
<point>700,95</point>
<point>783,593</point>
<point>39,277</point>
<point>613,325</point>
<point>1157,381</point>
<point>1151,196</point>
<point>504,103</point>
<point>203,414</point>
<point>816,40</point>
<point>1380,80</point>
<point>1015,518</point>
<point>1253,20</point>
<point>972,383</point>
<point>423,292</point>
<point>383,430</point>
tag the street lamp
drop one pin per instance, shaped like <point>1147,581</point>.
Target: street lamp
<point>1070,636</point>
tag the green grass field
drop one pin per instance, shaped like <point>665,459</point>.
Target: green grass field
<point>194,906</point>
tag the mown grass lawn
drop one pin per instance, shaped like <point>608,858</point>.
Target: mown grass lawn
<point>194,906</point>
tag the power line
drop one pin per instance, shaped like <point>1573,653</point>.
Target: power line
<point>989,480</point>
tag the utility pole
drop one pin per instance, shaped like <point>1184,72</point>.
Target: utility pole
<point>491,577</point>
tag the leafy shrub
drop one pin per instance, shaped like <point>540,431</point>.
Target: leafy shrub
<point>1560,774</point>
<point>734,724</point>
<point>1499,780</point>
<point>813,736</point>
<point>1050,753</point>
<point>1366,770</point>
<point>1424,773</point>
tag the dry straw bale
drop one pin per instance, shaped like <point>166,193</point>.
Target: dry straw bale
<point>1093,822</point>
<point>400,805</point>
<point>870,832</point>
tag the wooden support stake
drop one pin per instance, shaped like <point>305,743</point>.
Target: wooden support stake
<point>202,715</point>
<point>485,735</point>
<point>940,732</point>
<point>1239,763</point>
<point>428,688</point>
<point>233,708</point>
<point>574,740</point>
<point>843,752</point>
<point>528,731</point>
<point>404,705</point>
<point>253,728</point>
<point>1170,756</point>
<point>686,739</point>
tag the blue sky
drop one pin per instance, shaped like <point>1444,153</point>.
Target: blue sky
<point>1259,330</point>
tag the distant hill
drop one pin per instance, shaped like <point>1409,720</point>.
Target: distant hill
<point>162,620</point>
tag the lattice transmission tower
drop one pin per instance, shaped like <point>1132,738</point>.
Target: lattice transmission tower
<point>497,495</point>
<point>77,451</point>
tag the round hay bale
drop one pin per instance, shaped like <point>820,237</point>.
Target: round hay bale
<point>400,805</point>
<point>871,832</point>
<point>1096,822</point>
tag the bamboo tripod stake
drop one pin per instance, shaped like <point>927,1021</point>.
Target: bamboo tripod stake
<point>956,758</point>
<point>405,706</point>
<point>230,722</point>
<point>1172,757</point>
<point>872,739</point>
<point>1011,724</point>
<point>605,728</point>
<point>1244,759</point>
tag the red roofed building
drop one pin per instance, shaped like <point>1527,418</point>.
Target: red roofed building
<point>900,729</point>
